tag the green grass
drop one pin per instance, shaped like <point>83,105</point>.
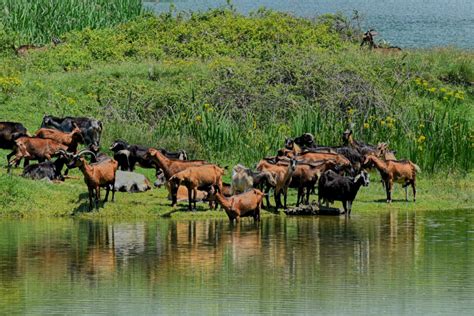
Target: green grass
<point>37,21</point>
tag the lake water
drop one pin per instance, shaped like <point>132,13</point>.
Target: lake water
<point>405,23</point>
<point>372,264</point>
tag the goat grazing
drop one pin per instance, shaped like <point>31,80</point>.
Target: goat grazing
<point>243,205</point>
<point>401,171</point>
<point>194,178</point>
<point>96,175</point>
<point>334,187</point>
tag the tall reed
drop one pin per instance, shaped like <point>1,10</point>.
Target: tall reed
<point>37,21</point>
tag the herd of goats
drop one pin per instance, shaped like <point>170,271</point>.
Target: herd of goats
<point>337,171</point>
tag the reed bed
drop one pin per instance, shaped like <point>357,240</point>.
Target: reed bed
<point>37,21</point>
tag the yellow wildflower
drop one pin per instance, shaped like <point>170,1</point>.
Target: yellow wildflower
<point>432,90</point>
<point>421,125</point>
<point>366,125</point>
<point>198,118</point>
<point>70,101</point>
<point>421,139</point>
<point>443,90</point>
<point>382,122</point>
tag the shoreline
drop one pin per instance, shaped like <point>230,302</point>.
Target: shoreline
<point>33,200</point>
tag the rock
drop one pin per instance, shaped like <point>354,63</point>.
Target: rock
<point>126,181</point>
<point>313,210</point>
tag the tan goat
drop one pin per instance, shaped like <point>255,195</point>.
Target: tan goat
<point>282,174</point>
<point>199,177</point>
<point>401,171</point>
<point>245,204</point>
<point>33,148</point>
<point>71,140</point>
<point>96,175</point>
<point>171,166</point>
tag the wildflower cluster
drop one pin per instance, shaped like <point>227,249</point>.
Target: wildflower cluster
<point>7,84</point>
<point>440,93</point>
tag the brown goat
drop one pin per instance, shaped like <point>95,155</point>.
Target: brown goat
<point>243,205</point>
<point>401,171</point>
<point>33,148</point>
<point>306,176</point>
<point>171,166</point>
<point>194,178</point>
<point>71,139</point>
<point>282,175</point>
<point>96,175</point>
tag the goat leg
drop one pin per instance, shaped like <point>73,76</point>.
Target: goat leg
<point>300,196</point>
<point>107,189</point>
<point>344,205</point>
<point>190,199</point>
<point>267,196</point>
<point>91,194</point>
<point>113,191</point>
<point>285,195</point>
<point>9,156</point>
<point>308,190</point>
<point>97,197</point>
<point>388,188</point>
<point>414,190</point>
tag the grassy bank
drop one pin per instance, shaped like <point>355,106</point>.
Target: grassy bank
<point>228,88</point>
<point>27,198</point>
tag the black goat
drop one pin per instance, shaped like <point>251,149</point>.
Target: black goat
<point>305,141</point>
<point>48,169</point>
<point>91,129</point>
<point>334,187</point>
<point>9,132</point>
<point>129,155</point>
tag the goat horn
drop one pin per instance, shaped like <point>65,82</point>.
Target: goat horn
<point>62,151</point>
<point>86,151</point>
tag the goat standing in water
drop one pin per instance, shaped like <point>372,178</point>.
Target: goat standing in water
<point>401,171</point>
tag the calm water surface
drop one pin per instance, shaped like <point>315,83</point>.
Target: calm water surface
<point>405,23</point>
<point>391,263</point>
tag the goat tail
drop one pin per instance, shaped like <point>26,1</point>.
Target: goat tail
<point>417,168</point>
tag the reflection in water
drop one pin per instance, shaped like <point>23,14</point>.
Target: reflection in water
<point>396,262</point>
